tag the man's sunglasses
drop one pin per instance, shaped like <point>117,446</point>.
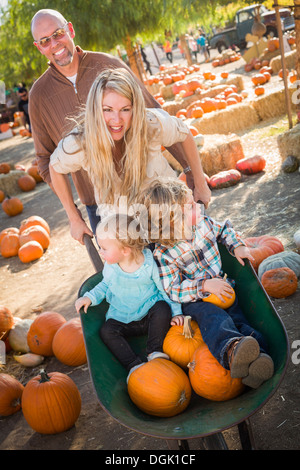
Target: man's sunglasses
<point>45,42</point>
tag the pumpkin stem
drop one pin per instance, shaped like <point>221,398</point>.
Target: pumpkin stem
<point>225,277</point>
<point>191,365</point>
<point>187,327</point>
<point>44,376</point>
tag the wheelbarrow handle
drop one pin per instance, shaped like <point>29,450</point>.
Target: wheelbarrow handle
<point>93,253</point>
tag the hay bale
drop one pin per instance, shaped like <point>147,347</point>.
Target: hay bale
<point>220,152</point>
<point>272,104</point>
<point>290,61</point>
<point>9,182</point>
<point>288,143</point>
<point>232,119</point>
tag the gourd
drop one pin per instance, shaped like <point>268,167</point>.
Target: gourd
<point>12,206</point>
<point>262,247</point>
<point>285,259</point>
<point>51,403</point>
<point>279,282</point>
<point>6,319</point>
<point>210,380</point>
<point>35,233</point>
<point>10,395</point>
<point>160,388</point>
<point>297,238</point>
<point>251,165</point>
<point>181,342</point>
<point>29,359</point>
<point>68,344</point>
<point>30,251</point>
<point>224,179</point>
<point>18,334</point>
<point>41,332</point>
<point>10,245</point>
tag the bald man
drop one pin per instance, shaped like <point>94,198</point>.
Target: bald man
<point>60,93</point>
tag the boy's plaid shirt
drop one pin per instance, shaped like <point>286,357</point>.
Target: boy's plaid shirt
<point>185,266</point>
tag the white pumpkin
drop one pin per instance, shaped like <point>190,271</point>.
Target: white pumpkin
<point>297,239</point>
<point>18,335</point>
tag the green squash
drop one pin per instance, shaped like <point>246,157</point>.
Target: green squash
<point>285,259</point>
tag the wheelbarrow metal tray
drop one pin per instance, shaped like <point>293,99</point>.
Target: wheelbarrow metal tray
<point>202,417</point>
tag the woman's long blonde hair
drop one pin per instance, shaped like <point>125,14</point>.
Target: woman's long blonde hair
<point>98,143</point>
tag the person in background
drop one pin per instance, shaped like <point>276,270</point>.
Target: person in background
<point>23,107</point>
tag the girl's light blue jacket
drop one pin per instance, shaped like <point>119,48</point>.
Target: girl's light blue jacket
<point>131,295</point>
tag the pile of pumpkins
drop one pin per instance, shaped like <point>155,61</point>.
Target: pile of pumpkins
<point>45,395</point>
<point>28,242</point>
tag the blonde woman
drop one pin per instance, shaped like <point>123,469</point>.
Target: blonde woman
<point>118,142</point>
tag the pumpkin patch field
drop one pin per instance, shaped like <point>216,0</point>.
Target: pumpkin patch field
<point>262,204</point>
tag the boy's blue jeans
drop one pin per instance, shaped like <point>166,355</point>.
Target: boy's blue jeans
<point>93,217</point>
<point>220,327</point>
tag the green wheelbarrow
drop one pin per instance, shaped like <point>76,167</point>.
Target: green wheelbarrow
<point>203,420</point>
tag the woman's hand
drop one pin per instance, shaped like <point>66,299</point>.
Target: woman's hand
<point>219,287</point>
<point>241,252</point>
<point>78,228</point>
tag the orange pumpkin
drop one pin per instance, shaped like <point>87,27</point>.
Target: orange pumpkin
<point>51,403</point>
<point>68,344</point>
<point>250,165</point>
<point>34,172</point>
<point>160,388</point>
<point>2,195</point>
<point>181,342</point>
<point>10,395</point>
<point>214,299</point>
<point>35,233</point>
<point>30,251</point>
<point>258,79</point>
<point>7,230</point>
<point>224,179</point>
<point>6,319</point>
<point>262,247</point>
<point>259,90</point>
<point>210,380</point>
<point>279,282</point>
<point>42,331</point>
<point>12,206</point>
<point>197,112</point>
<point>10,245</point>
<point>224,74</point>
<point>5,167</point>
<point>26,183</point>
<point>34,220</point>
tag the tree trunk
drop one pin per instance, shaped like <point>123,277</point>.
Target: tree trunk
<point>131,56</point>
<point>186,49</point>
<point>297,30</point>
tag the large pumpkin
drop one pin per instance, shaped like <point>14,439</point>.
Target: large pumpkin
<point>210,380</point>
<point>51,403</point>
<point>6,319</point>
<point>262,247</point>
<point>224,179</point>
<point>41,332</point>
<point>251,165</point>
<point>30,251</point>
<point>279,282</point>
<point>285,259</point>
<point>34,220</point>
<point>160,388</point>
<point>35,233</point>
<point>10,395</point>
<point>181,341</point>
<point>68,344</point>
<point>7,230</point>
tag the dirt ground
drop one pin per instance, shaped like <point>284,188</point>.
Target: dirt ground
<point>266,203</point>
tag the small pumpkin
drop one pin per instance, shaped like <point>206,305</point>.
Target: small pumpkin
<point>26,183</point>
<point>285,259</point>
<point>250,165</point>
<point>51,403</point>
<point>10,395</point>
<point>181,341</point>
<point>259,90</point>
<point>41,332</point>
<point>2,195</point>
<point>214,299</point>
<point>279,282</point>
<point>262,247</point>
<point>30,251</point>
<point>68,344</point>
<point>160,388</point>
<point>7,230</point>
<point>6,319</point>
<point>210,380</point>
<point>34,172</point>
<point>4,168</point>
<point>12,206</point>
<point>34,220</point>
<point>35,233</point>
<point>224,179</point>
<point>10,245</point>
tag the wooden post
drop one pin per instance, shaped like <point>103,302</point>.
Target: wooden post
<point>284,74</point>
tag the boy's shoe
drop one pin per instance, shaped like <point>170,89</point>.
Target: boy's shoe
<point>260,370</point>
<point>241,353</point>
<point>156,354</point>
<point>133,369</point>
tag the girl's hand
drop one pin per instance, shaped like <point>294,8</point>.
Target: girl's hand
<point>82,302</point>
<point>177,320</point>
<point>219,287</point>
<point>243,252</point>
